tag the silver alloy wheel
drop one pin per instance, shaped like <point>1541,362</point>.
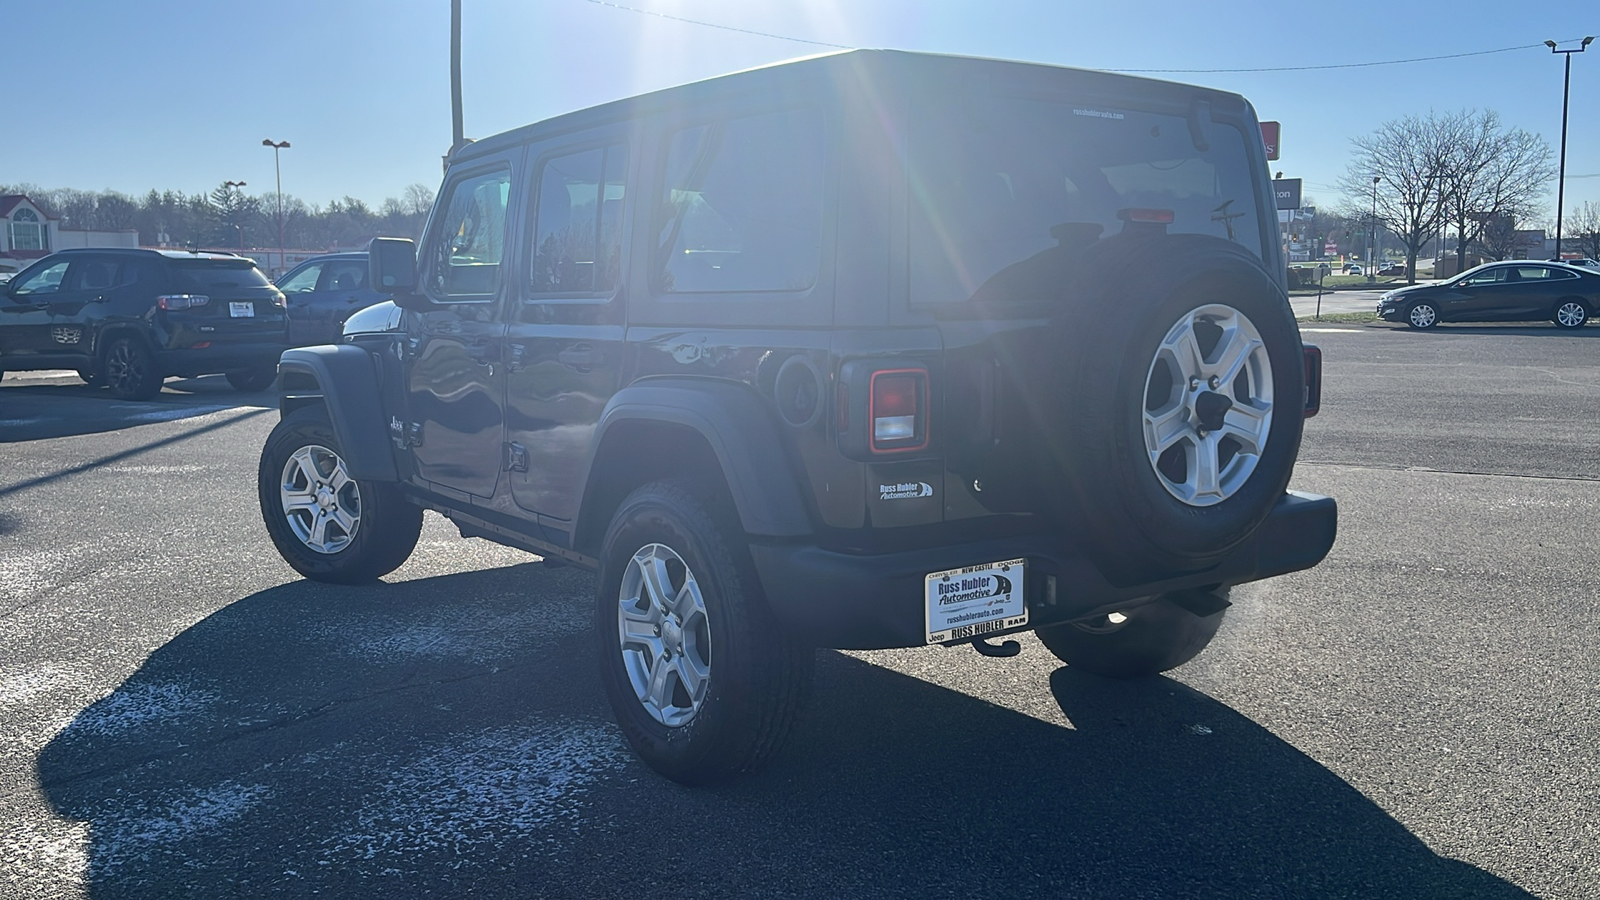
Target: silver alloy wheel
<point>1422,315</point>
<point>665,635</point>
<point>1571,314</point>
<point>320,500</point>
<point>1208,405</point>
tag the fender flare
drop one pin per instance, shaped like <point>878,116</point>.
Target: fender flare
<point>346,379</point>
<point>738,425</point>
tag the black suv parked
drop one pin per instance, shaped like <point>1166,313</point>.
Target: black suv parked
<point>869,350</point>
<point>322,292</point>
<point>130,318</point>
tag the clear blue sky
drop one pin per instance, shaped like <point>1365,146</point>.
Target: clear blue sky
<point>179,94</point>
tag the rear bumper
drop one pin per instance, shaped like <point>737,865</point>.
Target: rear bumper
<point>191,361</point>
<point>858,602</point>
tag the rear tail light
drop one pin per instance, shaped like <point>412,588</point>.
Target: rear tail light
<point>182,301</point>
<point>1313,379</point>
<point>897,408</point>
<point>280,301</point>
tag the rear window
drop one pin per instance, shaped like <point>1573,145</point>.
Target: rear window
<point>206,276</point>
<point>1018,187</point>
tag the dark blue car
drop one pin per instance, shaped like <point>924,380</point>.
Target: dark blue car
<point>322,292</point>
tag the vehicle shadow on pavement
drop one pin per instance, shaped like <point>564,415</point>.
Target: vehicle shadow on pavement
<point>449,735</point>
<point>32,412</point>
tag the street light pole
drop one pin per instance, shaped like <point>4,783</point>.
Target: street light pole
<point>276,146</point>
<point>236,227</point>
<point>1566,89</point>
<point>1372,240</point>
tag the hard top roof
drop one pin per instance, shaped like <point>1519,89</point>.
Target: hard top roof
<point>885,64</point>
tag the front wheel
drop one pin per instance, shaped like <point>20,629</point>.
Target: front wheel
<point>1162,634</point>
<point>250,381</point>
<point>325,524</point>
<point>1422,315</point>
<point>1571,314</point>
<point>702,680</point>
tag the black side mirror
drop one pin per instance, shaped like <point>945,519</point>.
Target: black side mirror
<point>392,265</point>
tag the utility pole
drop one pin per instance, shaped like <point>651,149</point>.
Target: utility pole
<point>457,130</point>
<point>1372,242</point>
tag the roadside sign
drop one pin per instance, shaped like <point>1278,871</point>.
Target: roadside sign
<point>1269,136</point>
<point>1287,191</point>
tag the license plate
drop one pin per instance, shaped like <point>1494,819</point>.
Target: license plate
<point>975,600</point>
<point>242,310</point>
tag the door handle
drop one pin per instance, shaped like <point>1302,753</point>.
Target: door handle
<point>582,355</point>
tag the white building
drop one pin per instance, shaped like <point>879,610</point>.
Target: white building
<point>28,232</point>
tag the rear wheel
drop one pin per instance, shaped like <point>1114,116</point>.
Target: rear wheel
<point>130,370</point>
<point>1571,314</point>
<point>1159,635</point>
<point>252,380</point>
<point>327,525</point>
<point>703,682</point>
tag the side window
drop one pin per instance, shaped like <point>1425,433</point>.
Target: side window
<point>1493,276</point>
<point>742,209</point>
<point>46,280</point>
<point>301,280</point>
<point>577,241</point>
<point>469,237</point>
<point>98,274</point>
<point>344,275</point>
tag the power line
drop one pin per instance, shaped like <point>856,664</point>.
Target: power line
<point>1360,65</point>
<point>765,34</point>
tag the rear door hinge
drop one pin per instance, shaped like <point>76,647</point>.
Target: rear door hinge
<point>516,457</point>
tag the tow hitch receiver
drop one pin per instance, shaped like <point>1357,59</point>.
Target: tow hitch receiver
<point>996,651</point>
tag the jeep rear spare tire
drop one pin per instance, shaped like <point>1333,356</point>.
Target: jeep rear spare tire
<point>1183,404</point>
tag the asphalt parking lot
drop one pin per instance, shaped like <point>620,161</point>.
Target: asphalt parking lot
<point>1418,717</point>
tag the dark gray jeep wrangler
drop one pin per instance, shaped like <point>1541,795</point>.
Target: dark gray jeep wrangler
<point>869,350</point>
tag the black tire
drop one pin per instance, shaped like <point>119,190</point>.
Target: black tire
<point>130,369</point>
<point>1160,635</point>
<point>1422,315</point>
<point>92,378</point>
<point>1134,525</point>
<point>386,525</point>
<point>758,679</point>
<point>1571,314</point>
<point>251,381</point>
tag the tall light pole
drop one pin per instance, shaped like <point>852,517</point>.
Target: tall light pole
<point>276,146</point>
<point>1372,241</point>
<point>236,227</point>
<point>1566,89</point>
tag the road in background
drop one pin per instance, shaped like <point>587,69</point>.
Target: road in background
<point>1413,718</point>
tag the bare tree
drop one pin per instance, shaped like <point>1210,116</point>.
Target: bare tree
<point>1586,229</point>
<point>418,199</point>
<point>1407,156</point>
<point>1489,173</point>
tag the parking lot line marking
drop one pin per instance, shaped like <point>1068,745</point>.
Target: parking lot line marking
<point>1334,330</point>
